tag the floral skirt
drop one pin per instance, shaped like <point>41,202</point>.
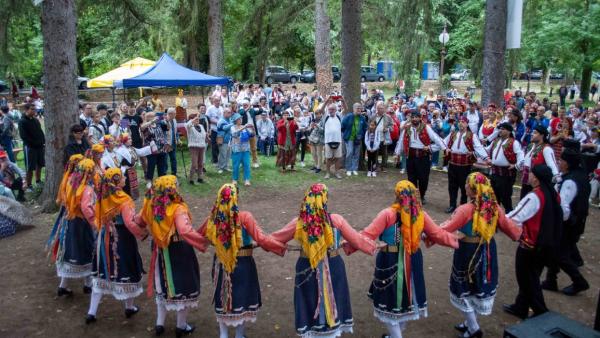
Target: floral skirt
<point>286,157</point>
<point>117,267</point>
<point>384,289</point>
<point>243,295</point>
<point>309,323</point>
<point>176,276</point>
<point>474,277</point>
<point>75,248</point>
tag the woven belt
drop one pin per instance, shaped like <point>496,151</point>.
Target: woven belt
<point>461,160</point>
<point>503,171</point>
<point>244,252</point>
<point>390,249</point>
<point>417,152</point>
<point>471,239</point>
<point>330,253</point>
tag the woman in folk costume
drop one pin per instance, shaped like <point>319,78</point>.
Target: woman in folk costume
<point>321,293</point>
<point>66,242</point>
<point>398,286</point>
<point>96,153</point>
<point>129,158</point>
<point>233,233</point>
<point>117,265</point>
<point>474,277</point>
<point>110,159</point>
<point>174,273</point>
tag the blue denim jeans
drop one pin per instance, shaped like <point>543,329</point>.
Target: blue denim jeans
<point>243,158</point>
<point>352,155</point>
<point>265,146</point>
<point>173,161</point>
<point>7,144</point>
<point>435,157</point>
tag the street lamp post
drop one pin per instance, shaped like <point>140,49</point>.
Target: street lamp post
<point>444,37</point>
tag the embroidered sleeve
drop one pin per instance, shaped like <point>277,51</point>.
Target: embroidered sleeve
<point>265,241</point>
<point>128,214</point>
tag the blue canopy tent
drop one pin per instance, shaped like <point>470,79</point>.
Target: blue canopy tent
<point>168,73</point>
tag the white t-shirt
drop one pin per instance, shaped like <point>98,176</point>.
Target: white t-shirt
<point>333,129</point>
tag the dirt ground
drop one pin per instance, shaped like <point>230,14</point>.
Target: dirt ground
<point>30,307</point>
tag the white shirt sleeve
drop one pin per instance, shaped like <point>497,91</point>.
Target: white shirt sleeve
<point>435,138</point>
<point>518,151</point>
<point>568,190</point>
<point>479,149</point>
<point>550,160</point>
<point>527,208</point>
<point>493,135</point>
<point>400,143</point>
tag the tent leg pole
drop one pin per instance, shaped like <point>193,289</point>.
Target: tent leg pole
<point>114,105</point>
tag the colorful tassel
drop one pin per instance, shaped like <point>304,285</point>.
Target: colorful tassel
<point>169,274</point>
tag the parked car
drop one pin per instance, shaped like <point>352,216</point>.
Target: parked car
<point>536,74</point>
<point>309,76</point>
<point>460,75</point>
<point>596,75</point>
<point>280,74</point>
<point>3,86</point>
<point>368,73</point>
<point>556,76</point>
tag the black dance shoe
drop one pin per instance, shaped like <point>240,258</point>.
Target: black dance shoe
<point>550,285</point>
<point>64,292</point>
<point>467,334</point>
<point>450,210</point>
<point>87,289</point>
<point>130,312</point>
<point>200,180</point>
<point>576,288</point>
<point>423,201</point>
<point>461,327</point>
<point>89,319</point>
<point>159,330</point>
<point>512,309</point>
<point>184,332</point>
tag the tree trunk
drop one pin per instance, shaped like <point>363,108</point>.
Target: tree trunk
<point>494,46</point>
<point>351,50</point>
<point>586,77</point>
<point>323,73</point>
<point>215,38</point>
<point>59,30</point>
<point>4,56</point>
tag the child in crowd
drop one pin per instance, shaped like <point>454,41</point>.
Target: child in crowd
<point>11,176</point>
<point>266,133</point>
<point>372,142</point>
<point>240,148</point>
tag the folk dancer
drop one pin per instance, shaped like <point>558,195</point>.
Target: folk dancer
<point>474,277</point>
<point>540,214</point>
<point>463,149</point>
<point>538,152</point>
<point>117,265</point>
<point>321,292</point>
<point>174,275</point>
<point>415,142</point>
<point>505,153</point>
<point>398,286</point>
<point>234,233</point>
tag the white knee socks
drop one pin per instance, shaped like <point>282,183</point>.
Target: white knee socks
<point>94,302</point>
<point>182,318</point>
<point>161,315</point>
<point>87,281</point>
<point>394,330</point>
<point>63,283</point>
<point>471,321</point>
<point>129,304</point>
<point>223,331</point>
<point>239,331</point>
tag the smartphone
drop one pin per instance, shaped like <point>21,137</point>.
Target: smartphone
<point>336,97</point>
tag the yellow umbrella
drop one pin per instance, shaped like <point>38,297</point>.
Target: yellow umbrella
<point>128,69</point>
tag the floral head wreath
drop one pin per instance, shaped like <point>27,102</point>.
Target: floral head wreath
<point>110,181</point>
<point>97,149</point>
<point>162,194</point>
<point>485,215</point>
<point>107,140</point>
<point>123,138</point>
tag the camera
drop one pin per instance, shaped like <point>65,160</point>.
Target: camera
<point>290,118</point>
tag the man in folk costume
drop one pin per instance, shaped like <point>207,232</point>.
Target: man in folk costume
<point>505,153</point>
<point>415,141</point>
<point>538,152</point>
<point>234,234</point>
<point>398,289</point>
<point>540,214</point>
<point>174,275</point>
<point>463,148</point>
<point>574,191</point>
<point>321,293</point>
<point>474,276</point>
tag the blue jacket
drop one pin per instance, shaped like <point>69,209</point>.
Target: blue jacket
<point>224,129</point>
<point>347,123</point>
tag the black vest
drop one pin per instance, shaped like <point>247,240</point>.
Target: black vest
<point>580,204</point>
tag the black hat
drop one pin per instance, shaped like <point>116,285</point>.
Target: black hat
<point>101,106</point>
<point>506,126</point>
<point>415,113</point>
<point>572,144</point>
<point>4,109</point>
<point>572,157</point>
<point>543,173</point>
<point>541,129</point>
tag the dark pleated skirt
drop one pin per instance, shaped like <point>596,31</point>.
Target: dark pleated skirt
<point>383,290</point>
<point>184,274</point>
<point>77,246</point>
<point>119,270</point>
<point>245,292</point>
<point>306,299</point>
<point>474,277</point>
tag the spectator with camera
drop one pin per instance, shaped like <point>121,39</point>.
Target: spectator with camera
<point>154,132</point>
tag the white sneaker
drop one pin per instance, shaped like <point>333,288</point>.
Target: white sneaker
<point>234,182</point>
<point>220,171</point>
<point>338,176</point>
<point>247,183</point>
<point>368,174</point>
<point>355,173</point>
<point>148,186</point>
<point>302,164</point>
<point>256,165</point>
<point>445,169</point>
<point>374,174</point>
<point>327,176</point>
<point>348,173</point>
<point>402,171</point>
